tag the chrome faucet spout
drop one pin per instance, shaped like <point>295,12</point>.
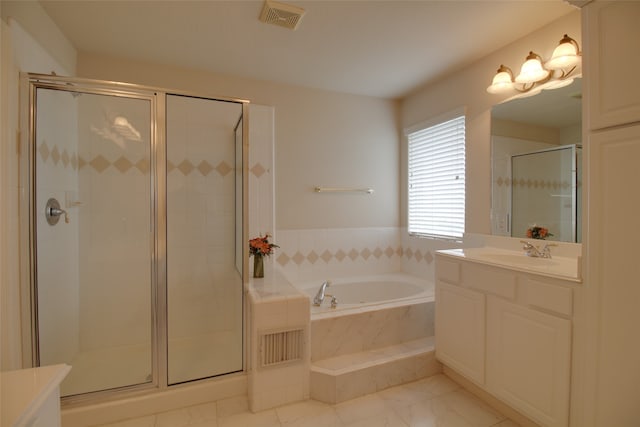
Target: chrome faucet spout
<point>317,300</point>
<point>530,249</point>
<point>533,251</point>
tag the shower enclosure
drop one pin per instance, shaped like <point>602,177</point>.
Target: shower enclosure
<point>134,217</point>
<point>546,191</point>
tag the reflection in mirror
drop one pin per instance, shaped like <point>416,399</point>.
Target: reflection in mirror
<point>539,138</point>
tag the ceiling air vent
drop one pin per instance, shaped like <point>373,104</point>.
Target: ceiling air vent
<point>284,15</point>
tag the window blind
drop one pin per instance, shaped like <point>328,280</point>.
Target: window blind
<point>437,180</point>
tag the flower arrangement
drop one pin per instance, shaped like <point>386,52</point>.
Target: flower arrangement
<point>260,246</point>
<point>537,232</point>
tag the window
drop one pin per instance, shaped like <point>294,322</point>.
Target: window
<point>436,178</point>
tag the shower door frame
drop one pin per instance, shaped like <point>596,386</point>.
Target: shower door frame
<point>29,83</point>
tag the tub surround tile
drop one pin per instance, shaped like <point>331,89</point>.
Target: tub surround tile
<point>343,363</point>
<point>324,253</point>
<point>349,376</point>
<point>369,350</point>
<point>275,305</point>
<point>321,253</point>
<point>374,329</point>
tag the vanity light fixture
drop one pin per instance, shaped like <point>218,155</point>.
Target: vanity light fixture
<point>538,75</point>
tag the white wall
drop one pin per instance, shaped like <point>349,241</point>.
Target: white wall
<point>468,88</point>
<point>321,138</point>
<point>20,52</point>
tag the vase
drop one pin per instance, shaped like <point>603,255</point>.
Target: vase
<point>258,266</point>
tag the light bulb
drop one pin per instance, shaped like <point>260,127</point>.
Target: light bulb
<point>502,81</point>
<point>566,55</point>
<point>532,70</point>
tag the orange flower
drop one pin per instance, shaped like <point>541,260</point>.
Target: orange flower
<point>537,232</point>
<point>261,246</point>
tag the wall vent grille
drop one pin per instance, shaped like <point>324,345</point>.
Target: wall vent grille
<point>281,347</point>
<point>284,15</point>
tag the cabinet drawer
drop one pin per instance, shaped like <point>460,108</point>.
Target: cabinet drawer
<point>447,270</point>
<point>492,280</point>
<point>537,293</point>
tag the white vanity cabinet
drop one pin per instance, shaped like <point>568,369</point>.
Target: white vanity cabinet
<point>460,330</point>
<point>609,374</point>
<point>528,360</point>
<point>509,332</point>
<point>613,63</point>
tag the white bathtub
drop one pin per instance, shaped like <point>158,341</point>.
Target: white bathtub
<point>368,292</point>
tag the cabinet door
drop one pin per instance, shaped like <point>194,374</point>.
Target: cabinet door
<point>612,62</point>
<point>460,330</point>
<point>528,361</point>
<point>613,314</point>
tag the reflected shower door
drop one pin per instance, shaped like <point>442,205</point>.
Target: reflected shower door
<point>204,287</point>
<point>94,284</point>
<point>544,192</point>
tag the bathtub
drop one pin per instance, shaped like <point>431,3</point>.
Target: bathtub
<point>364,293</point>
<point>380,334</point>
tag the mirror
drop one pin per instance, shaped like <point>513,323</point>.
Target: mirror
<point>536,160</point>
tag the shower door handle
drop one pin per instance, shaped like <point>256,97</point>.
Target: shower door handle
<point>52,212</point>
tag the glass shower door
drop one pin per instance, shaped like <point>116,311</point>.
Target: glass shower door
<point>545,192</point>
<point>94,232</point>
<point>204,283</point>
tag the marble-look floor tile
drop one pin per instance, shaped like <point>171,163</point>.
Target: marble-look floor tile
<point>148,421</point>
<point>387,419</point>
<point>267,418</point>
<point>198,414</point>
<point>433,386</point>
<point>232,406</point>
<point>430,413</point>
<point>506,423</point>
<point>361,408</point>
<point>474,411</point>
<point>310,413</point>
<point>431,402</point>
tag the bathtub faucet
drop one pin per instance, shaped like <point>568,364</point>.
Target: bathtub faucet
<point>317,300</point>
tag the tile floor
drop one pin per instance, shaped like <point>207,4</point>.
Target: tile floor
<point>431,402</point>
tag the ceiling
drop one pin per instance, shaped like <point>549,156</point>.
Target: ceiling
<point>370,47</point>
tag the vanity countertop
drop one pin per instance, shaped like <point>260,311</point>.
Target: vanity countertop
<point>24,391</point>
<point>564,268</point>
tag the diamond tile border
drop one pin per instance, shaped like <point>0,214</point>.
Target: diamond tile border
<point>123,164</point>
<point>502,181</point>
<point>352,254</point>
